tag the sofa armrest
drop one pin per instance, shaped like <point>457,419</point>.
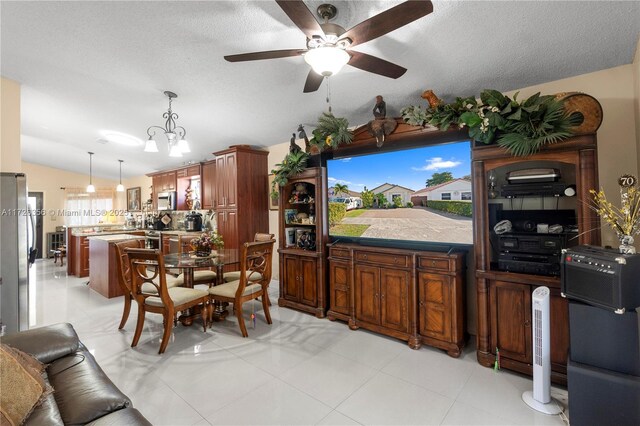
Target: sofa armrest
<point>46,344</point>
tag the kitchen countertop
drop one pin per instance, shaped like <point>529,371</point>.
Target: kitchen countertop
<point>94,233</point>
<point>114,237</point>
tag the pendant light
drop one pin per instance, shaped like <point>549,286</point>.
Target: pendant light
<point>91,188</point>
<point>120,187</point>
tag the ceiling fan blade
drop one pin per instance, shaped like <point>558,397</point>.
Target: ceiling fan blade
<point>300,14</point>
<point>387,21</point>
<point>314,80</point>
<point>375,65</point>
<point>268,54</point>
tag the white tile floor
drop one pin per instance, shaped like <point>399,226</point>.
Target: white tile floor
<point>299,370</point>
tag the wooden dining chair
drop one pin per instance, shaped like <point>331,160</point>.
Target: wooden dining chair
<point>124,276</point>
<point>235,275</point>
<point>147,268</point>
<point>200,276</point>
<point>255,274</point>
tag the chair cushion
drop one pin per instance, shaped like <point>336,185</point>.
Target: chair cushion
<point>229,289</point>
<point>21,373</point>
<point>83,391</point>
<point>178,295</point>
<point>171,282</point>
<point>202,276</point>
<point>235,275</point>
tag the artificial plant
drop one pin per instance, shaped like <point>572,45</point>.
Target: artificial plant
<point>331,132</point>
<point>292,164</point>
<point>520,127</point>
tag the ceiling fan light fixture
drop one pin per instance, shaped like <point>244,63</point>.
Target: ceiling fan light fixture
<point>151,145</point>
<point>327,60</point>
<point>90,187</point>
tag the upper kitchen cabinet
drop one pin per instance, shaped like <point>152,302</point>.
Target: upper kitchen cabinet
<point>208,184</point>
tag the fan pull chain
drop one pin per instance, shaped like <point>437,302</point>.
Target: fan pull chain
<point>328,93</point>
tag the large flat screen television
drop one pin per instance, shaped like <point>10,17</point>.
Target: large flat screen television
<point>420,196</point>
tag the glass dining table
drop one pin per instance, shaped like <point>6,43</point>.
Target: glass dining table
<point>189,263</point>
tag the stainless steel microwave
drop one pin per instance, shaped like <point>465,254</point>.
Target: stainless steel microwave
<point>166,200</point>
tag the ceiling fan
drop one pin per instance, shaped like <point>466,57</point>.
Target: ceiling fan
<point>329,45</point>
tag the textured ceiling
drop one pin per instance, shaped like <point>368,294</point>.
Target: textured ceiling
<point>101,65</point>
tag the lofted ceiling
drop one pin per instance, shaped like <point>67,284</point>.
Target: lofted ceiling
<point>90,66</point>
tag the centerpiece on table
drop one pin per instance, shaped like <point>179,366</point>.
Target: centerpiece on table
<point>206,243</point>
<point>625,221</point>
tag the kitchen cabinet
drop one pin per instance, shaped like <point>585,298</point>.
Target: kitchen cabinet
<point>303,283</point>
<point>239,194</point>
<point>412,295</point>
<point>208,184</point>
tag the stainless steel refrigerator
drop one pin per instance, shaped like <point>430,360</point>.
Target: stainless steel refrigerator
<point>16,253</point>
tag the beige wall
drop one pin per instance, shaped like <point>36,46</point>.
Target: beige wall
<point>618,151</point>
<point>49,181</point>
<point>10,126</point>
<point>144,182</point>
<point>636,84</point>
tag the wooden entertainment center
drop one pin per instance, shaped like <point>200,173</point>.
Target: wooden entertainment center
<point>418,295</point>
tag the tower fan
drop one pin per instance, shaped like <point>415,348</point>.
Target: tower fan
<point>540,399</point>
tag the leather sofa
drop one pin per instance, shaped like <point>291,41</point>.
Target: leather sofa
<point>82,392</point>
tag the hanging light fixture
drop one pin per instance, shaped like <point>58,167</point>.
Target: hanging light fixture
<point>120,187</point>
<point>175,134</point>
<point>90,187</point>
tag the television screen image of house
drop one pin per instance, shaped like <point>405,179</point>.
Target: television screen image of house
<point>420,194</point>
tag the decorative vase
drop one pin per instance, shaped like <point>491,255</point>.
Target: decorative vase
<point>203,252</point>
<point>626,245</point>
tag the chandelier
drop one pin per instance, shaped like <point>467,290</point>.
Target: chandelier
<point>175,134</point>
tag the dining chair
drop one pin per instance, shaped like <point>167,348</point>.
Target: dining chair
<point>235,275</point>
<point>124,276</point>
<point>147,268</point>
<point>200,276</point>
<point>255,274</point>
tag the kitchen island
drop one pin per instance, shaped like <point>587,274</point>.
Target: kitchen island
<point>103,274</point>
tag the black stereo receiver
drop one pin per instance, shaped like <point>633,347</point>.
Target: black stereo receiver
<point>601,277</point>
<point>527,263</point>
<point>532,243</point>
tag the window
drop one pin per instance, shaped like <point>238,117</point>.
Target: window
<point>394,196</point>
<point>82,208</point>
<point>466,196</point>
<point>445,196</point>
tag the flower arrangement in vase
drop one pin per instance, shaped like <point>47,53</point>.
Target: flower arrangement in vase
<point>625,221</point>
<point>206,242</point>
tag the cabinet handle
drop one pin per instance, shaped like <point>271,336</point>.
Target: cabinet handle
<point>376,296</point>
<point>395,260</point>
<point>527,323</point>
<point>433,263</point>
<point>422,303</point>
<point>382,296</point>
<point>364,256</point>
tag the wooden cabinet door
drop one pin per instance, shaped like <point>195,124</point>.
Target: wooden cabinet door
<point>559,319</point>
<point>208,185</point>
<point>307,271</point>
<point>84,257</point>
<point>367,294</point>
<point>228,228</point>
<point>231,194</point>
<point>340,286</point>
<point>510,306</point>
<point>221,181</point>
<point>166,244</point>
<point>291,278</point>
<point>171,181</point>
<point>394,296</point>
<point>434,301</point>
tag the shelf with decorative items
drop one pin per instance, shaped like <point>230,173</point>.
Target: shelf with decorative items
<point>303,238</point>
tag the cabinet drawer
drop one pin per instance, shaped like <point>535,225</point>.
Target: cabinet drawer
<point>433,263</point>
<point>339,252</point>
<point>383,258</point>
